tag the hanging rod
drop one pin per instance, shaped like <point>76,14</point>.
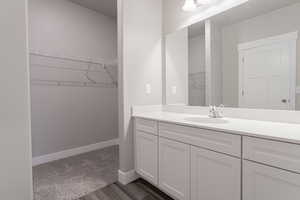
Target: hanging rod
<point>91,83</point>
<point>87,71</point>
<point>65,68</point>
<point>72,83</point>
<point>66,58</point>
<point>196,73</point>
<point>111,76</point>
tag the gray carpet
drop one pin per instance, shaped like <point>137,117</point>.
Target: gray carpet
<point>74,177</point>
<point>138,190</point>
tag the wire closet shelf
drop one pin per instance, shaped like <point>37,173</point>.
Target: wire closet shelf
<point>87,67</point>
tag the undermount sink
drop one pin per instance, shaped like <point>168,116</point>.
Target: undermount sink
<point>206,120</point>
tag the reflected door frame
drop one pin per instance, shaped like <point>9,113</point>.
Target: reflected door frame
<point>291,40</point>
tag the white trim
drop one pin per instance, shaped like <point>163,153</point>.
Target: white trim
<point>293,72</point>
<point>270,40</point>
<point>290,39</point>
<point>127,177</point>
<point>72,152</point>
<point>208,62</point>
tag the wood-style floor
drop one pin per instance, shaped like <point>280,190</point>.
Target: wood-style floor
<point>138,190</point>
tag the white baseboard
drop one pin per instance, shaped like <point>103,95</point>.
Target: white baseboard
<point>127,177</point>
<point>72,152</point>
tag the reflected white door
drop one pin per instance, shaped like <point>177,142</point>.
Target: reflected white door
<point>267,73</point>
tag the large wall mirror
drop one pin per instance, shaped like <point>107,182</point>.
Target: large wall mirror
<point>247,57</point>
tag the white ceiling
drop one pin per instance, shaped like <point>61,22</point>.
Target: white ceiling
<point>252,9</point>
<point>106,7</point>
<point>245,11</point>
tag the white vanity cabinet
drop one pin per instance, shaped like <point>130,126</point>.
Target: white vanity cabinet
<point>191,163</point>
<point>214,176</point>
<point>174,168</point>
<point>271,170</point>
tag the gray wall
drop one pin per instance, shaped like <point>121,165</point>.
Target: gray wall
<point>15,145</point>
<point>71,117</point>
<point>140,56</point>
<point>197,70</point>
<point>278,22</point>
<point>63,28</point>
<point>215,38</point>
<point>177,62</point>
<point>197,54</point>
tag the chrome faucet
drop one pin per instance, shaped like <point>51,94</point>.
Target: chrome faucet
<point>216,112</point>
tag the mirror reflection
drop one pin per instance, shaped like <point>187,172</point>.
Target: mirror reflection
<point>196,65</point>
<point>245,57</point>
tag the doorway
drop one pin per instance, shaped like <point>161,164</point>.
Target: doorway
<point>267,73</point>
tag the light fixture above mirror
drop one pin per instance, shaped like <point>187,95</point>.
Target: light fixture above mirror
<point>204,2</point>
<point>191,5</point>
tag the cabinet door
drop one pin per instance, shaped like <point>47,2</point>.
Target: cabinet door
<point>214,176</point>
<point>261,182</point>
<point>174,168</point>
<point>146,156</point>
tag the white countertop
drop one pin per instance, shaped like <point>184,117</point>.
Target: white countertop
<point>285,132</point>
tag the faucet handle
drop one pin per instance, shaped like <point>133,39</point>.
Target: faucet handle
<point>220,110</point>
<point>221,106</point>
<point>216,112</point>
<point>212,111</point>
<point>212,108</point>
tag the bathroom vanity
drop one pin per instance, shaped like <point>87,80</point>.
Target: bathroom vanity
<point>249,64</point>
<point>193,157</point>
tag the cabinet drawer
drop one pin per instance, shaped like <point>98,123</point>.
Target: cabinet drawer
<point>213,140</point>
<point>148,126</point>
<point>277,154</point>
